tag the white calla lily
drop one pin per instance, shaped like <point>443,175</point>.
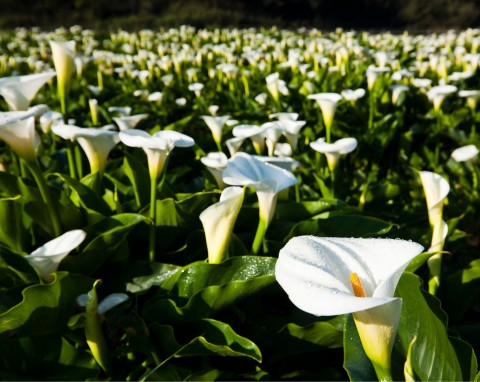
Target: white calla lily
<point>21,137</point>
<point>95,142</point>
<point>255,133</point>
<point>328,105</point>
<point>266,179</point>
<point>436,189</point>
<point>19,91</point>
<point>333,150</point>
<point>331,276</point>
<point>129,122</point>
<point>216,124</point>
<point>437,94</point>
<point>216,162</point>
<point>465,153</point>
<point>46,259</point>
<point>218,221</point>
<point>63,54</point>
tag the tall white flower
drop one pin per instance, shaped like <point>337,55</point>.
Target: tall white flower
<point>127,122</point>
<point>46,259</point>
<point>63,54</point>
<point>266,179</point>
<point>437,94</point>
<point>333,150</point>
<point>276,86</point>
<point>19,91</point>
<point>328,105</point>
<point>216,124</point>
<point>21,137</point>
<point>218,221</point>
<point>331,276</point>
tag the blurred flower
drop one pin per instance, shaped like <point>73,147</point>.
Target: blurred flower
<point>129,122</point>
<point>19,91</point>
<point>63,58</point>
<point>216,124</point>
<point>333,150</point>
<point>328,105</point>
<point>437,94</point>
<point>465,153</point>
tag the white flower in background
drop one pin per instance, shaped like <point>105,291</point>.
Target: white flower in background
<point>255,133</point>
<point>471,96</point>
<point>333,150</point>
<point>291,130</point>
<point>21,137</point>
<point>437,94</point>
<point>181,101</point>
<point>49,119</point>
<point>353,95</point>
<point>218,221</point>
<point>332,276</point>
<point>155,97</point>
<point>261,98</point>
<point>122,111</point>
<point>398,94</point>
<point>373,74</point>
<point>157,146</point>
<point>328,105</point>
<point>284,116</point>
<point>272,132</point>
<point>436,189</point>
<point>95,142</point>
<point>63,59</point>
<point>19,91</point>
<point>129,122</point>
<point>46,259</point>
<point>213,109</point>
<point>216,124</point>
<point>196,87</point>
<point>216,162</point>
<point>421,83</point>
<point>465,153</point>
<point>276,86</point>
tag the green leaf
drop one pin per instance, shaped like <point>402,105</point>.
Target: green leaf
<point>433,356</point>
<point>146,275</point>
<point>45,308</point>
<point>108,239</point>
<point>83,196</point>
<point>12,232</point>
<point>465,283</point>
<point>303,210</point>
<point>337,224</point>
<point>204,289</point>
<point>139,177</point>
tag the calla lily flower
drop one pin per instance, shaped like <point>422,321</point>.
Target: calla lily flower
<point>276,86</point>
<point>471,96</point>
<point>95,142</point>
<point>436,190</point>
<point>331,276</point>
<point>266,179</point>
<point>128,122</point>
<point>328,105</point>
<point>215,124</point>
<point>284,116</point>
<point>255,133</point>
<point>398,93</point>
<point>157,146</point>
<point>46,259</point>
<point>216,162</point>
<point>373,73</point>
<point>353,95</point>
<point>50,118</point>
<point>123,111</point>
<point>21,137</point>
<point>437,94</point>
<point>19,91</point>
<point>63,60</point>
<point>465,153</point>
<point>218,221</point>
<point>333,150</point>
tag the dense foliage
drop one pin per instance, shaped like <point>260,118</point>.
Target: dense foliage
<point>409,102</point>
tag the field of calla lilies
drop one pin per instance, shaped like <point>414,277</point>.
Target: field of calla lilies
<point>226,204</point>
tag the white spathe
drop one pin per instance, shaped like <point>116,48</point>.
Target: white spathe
<point>333,150</point>
<point>19,91</point>
<point>46,259</point>
<point>20,135</point>
<point>436,189</point>
<point>465,153</point>
<point>328,105</point>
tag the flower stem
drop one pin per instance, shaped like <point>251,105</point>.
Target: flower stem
<point>71,160</point>
<point>46,196</point>
<point>384,374</point>
<point>259,236</point>
<point>153,213</point>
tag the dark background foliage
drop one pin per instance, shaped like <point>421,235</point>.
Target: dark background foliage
<point>415,15</point>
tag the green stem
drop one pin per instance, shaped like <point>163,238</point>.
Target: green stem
<point>46,196</point>
<point>153,213</point>
<point>259,236</point>
<point>71,160</point>
<point>384,374</point>
<point>371,111</point>
<point>474,180</point>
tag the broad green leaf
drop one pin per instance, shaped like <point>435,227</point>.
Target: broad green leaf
<point>433,356</point>
<point>45,308</point>
<point>83,196</point>
<point>139,177</point>
<point>204,289</point>
<point>466,357</point>
<point>108,241</point>
<point>341,225</point>
<point>303,210</point>
<point>146,275</point>
<point>12,232</point>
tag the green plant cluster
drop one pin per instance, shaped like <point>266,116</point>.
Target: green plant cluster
<point>185,318</point>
